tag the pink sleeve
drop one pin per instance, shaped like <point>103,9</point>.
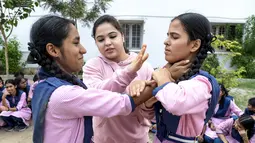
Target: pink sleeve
<point>31,91</point>
<point>74,101</point>
<point>93,77</point>
<point>252,139</point>
<point>235,109</point>
<point>186,97</point>
<point>22,101</point>
<point>225,127</point>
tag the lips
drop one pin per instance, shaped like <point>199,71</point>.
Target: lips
<point>109,50</point>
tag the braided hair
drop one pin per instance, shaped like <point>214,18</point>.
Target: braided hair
<point>198,27</point>
<point>49,29</point>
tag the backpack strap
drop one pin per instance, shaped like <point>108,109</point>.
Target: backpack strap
<point>215,95</point>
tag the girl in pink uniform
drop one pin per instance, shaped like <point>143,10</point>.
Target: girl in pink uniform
<point>224,110</point>
<point>239,130</point>
<point>183,98</point>
<point>62,105</point>
<point>113,71</point>
<point>15,113</point>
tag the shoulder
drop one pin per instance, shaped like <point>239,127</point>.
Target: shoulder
<point>94,61</point>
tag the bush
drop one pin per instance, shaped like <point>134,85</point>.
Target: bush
<point>14,56</point>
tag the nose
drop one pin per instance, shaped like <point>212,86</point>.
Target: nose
<point>83,50</point>
<point>107,41</point>
<point>167,42</point>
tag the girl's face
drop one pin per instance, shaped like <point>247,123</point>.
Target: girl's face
<point>70,56</point>
<point>238,126</point>
<point>23,83</point>
<point>110,42</point>
<point>11,89</point>
<point>177,44</point>
<point>251,108</point>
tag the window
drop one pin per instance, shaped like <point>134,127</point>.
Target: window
<point>219,30</point>
<point>133,32</point>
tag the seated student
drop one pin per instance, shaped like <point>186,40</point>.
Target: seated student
<point>225,109</point>
<point>15,113</point>
<point>21,75</point>
<point>22,85</point>
<point>240,130</point>
<point>250,110</point>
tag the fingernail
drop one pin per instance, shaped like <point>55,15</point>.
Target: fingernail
<point>187,61</point>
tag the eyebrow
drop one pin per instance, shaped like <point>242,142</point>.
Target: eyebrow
<point>99,36</point>
<point>172,33</point>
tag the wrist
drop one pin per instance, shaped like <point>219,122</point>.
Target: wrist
<point>163,81</point>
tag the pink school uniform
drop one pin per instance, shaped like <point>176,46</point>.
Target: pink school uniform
<point>102,73</point>
<point>23,111</point>
<point>188,99</point>
<point>226,129</point>
<point>232,109</point>
<point>68,104</point>
<point>31,91</point>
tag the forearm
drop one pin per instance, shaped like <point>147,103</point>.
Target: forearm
<point>245,139</point>
<point>13,109</point>
<point>223,138</point>
<point>4,103</point>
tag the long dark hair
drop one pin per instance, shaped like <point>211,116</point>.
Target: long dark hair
<point>198,27</point>
<point>248,123</point>
<point>225,93</point>
<point>252,101</point>
<point>108,19</point>
<point>49,29</point>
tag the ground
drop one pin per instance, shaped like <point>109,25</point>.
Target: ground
<point>23,137</point>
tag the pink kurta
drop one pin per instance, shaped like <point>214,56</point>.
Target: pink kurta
<point>232,110</point>
<point>23,111</point>
<point>188,99</point>
<point>225,128</point>
<point>102,73</point>
<point>31,90</point>
<point>64,122</point>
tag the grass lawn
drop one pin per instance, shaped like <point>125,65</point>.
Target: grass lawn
<point>244,91</point>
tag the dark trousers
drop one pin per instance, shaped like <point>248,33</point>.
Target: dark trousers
<point>12,121</point>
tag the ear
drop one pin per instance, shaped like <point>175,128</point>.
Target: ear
<point>53,50</point>
<point>195,45</point>
<point>15,86</point>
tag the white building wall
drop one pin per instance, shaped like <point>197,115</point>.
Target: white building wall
<point>156,15</point>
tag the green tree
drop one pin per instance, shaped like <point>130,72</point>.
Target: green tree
<point>247,57</point>
<point>11,12</point>
<point>77,9</point>
<point>249,36</point>
<point>211,64</point>
<point>14,55</point>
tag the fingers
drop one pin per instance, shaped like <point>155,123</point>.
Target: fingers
<point>145,57</point>
<point>143,49</point>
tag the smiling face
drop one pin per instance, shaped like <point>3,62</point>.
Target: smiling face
<point>11,88</point>
<point>109,41</point>
<point>70,55</point>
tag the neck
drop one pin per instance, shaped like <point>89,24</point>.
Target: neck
<point>122,57</point>
<point>14,93</point>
